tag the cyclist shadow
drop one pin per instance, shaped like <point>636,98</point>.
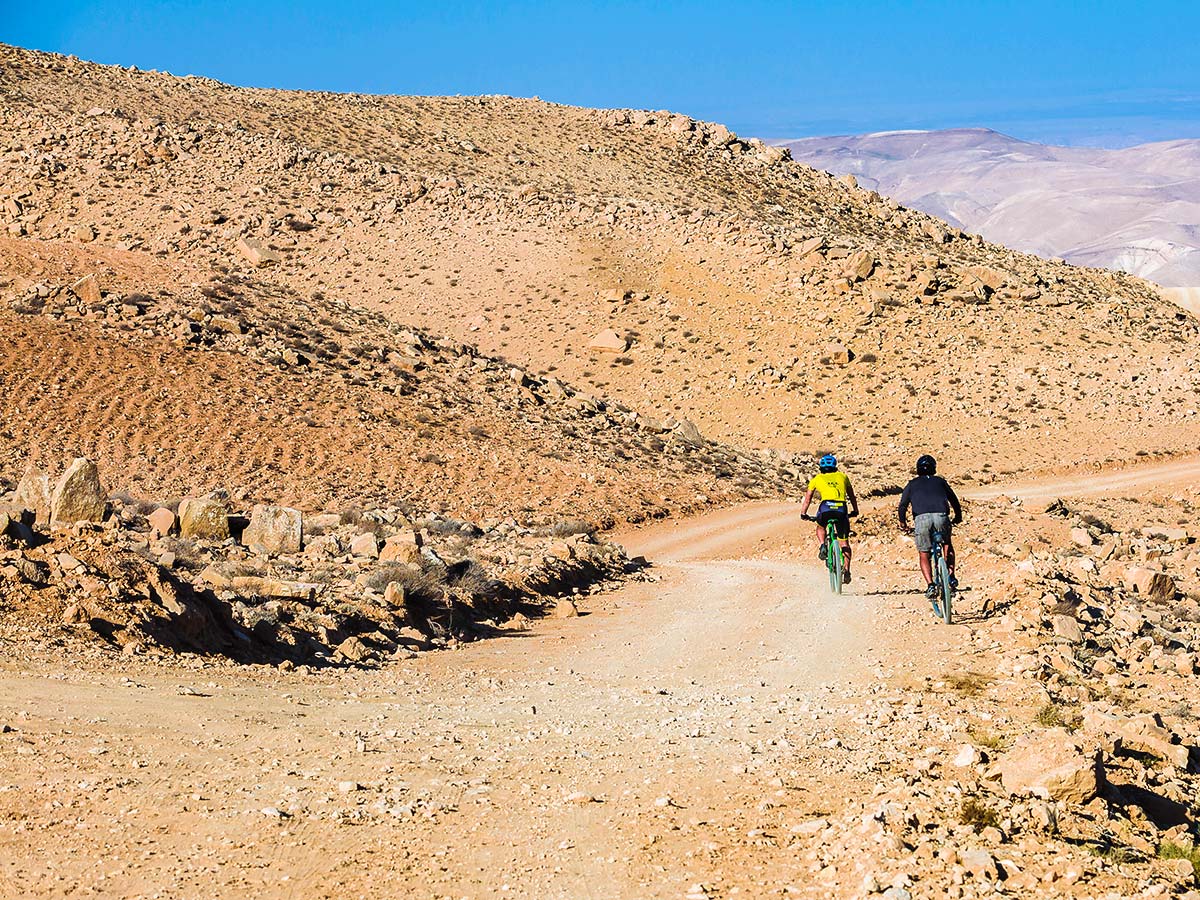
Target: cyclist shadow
<point>989,610</point>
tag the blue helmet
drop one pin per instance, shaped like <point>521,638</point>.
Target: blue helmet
<point>828,463</point>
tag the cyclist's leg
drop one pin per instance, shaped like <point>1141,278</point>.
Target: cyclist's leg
<point>945,529</point>
<point>926,565</point>
<point>843,531</point>
<point>923,538</point>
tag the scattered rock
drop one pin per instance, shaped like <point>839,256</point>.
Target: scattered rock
<point>1052,765</point>
<point>274,529</point>
<point>258,255</point>
<point>1152,584</point>
<point>204,519</point>
<point>78,496</point>
<point>87,289</point>
<point>608,341</point>
<point>162,522</point>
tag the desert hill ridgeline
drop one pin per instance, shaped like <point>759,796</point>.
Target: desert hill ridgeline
<point>766,301</point>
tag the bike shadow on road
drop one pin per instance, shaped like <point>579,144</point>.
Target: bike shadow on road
<point>989,610</point>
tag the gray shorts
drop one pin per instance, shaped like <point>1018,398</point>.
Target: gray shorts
<point>924,527</point>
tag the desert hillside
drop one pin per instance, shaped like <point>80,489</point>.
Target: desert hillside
<point>1135,209</point>
<point>326,421</point>
<point>763,300</point>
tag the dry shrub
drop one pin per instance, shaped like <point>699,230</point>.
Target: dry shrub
<point>570,527</point>
<point>978,815</point>
<point>419,585</point>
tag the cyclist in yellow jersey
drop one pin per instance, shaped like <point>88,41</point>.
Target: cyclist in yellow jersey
<point>833,491</point>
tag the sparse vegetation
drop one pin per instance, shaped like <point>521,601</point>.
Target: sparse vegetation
<point>978,815</point>
<point>1050,716</point>
<point>570,527</point>
<point>968,683</point>
<point>1172,850</point>
<point>419,584</point>
<point>987,738</point>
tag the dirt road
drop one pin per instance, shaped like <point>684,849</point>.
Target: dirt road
<point>670,737</point>
<point>1097,484</point>
<point>680,733</point>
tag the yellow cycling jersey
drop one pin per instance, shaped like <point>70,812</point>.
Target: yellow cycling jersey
<point>831,487</point>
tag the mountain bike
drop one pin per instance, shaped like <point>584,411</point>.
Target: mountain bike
<point>834,560</point>
<point>941,580</point>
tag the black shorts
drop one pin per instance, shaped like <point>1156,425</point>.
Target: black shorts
<point>840,519</point>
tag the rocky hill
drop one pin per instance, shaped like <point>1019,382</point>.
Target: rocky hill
<point>645,257</point>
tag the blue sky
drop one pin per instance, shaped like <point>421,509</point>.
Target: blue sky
<point>1107,73</point>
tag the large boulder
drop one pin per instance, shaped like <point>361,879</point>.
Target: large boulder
<point>1052,765</point>
<point>274,529</point>
<point>161,522</point>
<point>1151,584</point>
<point>860,265</point>
<point>78,496</point>
<point>87,289</point>
<point>203,518</point>
<point>1143,733</point>
<point>404,546</point>
<point>33,493</point>
<point>365,545</point>
<point>608,341</point>
<point>256,253</point>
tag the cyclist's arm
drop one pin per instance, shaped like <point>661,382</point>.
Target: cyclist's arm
<point>953,498</point>
<point>853,500</point>
<point>807,500</point>
<point>905,501</point>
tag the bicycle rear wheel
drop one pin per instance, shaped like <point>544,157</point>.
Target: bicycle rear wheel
<point>835,567</point>
<point>947,592</point>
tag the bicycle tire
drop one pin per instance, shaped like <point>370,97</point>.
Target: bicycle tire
<point>835,567</point>
<point>947,592</point>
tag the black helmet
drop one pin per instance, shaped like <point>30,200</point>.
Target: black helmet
<point>926,465</point>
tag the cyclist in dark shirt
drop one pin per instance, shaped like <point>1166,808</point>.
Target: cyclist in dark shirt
<point>931,500</point>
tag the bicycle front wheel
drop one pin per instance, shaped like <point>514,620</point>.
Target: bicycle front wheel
<point>835,567</point>
<point>947,592</point>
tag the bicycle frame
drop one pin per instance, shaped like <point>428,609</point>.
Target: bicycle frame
<point>941,579</point>
<point>833,558</point>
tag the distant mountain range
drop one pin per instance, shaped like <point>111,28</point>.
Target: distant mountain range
<point>1136,209</point>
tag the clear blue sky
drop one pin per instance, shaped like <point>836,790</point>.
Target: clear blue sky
<point>1099,72</point>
